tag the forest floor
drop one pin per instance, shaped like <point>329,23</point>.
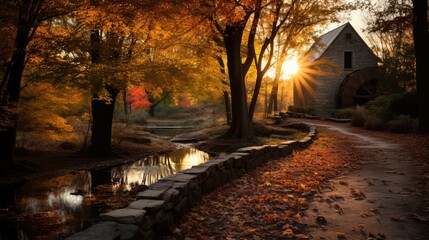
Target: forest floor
<point>349,184</point>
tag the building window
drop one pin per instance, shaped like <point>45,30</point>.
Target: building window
<point>348,37</point>
<point>348,56</point>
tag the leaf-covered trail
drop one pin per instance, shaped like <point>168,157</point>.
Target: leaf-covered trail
<point>381,200</point>
<point>345,185</point>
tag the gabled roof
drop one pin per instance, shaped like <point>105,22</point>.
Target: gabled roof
<point>324,41</point>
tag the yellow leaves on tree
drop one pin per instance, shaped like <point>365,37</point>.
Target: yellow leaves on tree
<point>47,112</point>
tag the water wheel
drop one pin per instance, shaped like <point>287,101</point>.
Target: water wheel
<point>359,87</point>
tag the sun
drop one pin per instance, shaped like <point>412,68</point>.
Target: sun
<point>290,68</point>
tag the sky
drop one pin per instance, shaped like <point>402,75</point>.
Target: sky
<point>358,22</point>
<point>356,18</point>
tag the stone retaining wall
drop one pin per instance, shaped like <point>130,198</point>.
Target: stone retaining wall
<point>165,201</point>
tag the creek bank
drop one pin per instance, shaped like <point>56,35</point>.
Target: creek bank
<point>40,164</point>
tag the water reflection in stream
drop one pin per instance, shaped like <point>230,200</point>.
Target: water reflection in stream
<point>56,207</point>
<point>152,168</point>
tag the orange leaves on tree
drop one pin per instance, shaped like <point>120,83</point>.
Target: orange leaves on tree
<point>138,98</point>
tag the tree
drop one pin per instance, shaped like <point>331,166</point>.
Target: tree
<point>138,98</point>
<point>292,37</point>
<point>155,100</point>
<point>279,19</point>
<point>128,27</point>
<point>391,37</point>
<point>236,20</point>
<point>394,20</point>
<point>30,14</point>
<point>421,39</point>
<point>157,34</point>
<point>230,19</point>
<point>226,98</point>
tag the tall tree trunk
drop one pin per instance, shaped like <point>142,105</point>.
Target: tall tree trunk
<point>227,107</point>
<point>11,83</point>
<point>421,40</point>
<point>102,110</point>
<point>272,105</point>
<point>241,126</point>
<point>266,99</point>
<point>154,105</point>
<point>7,147</point>
<point>255,95</point>
<point>225,93</point>
<point>9,107</point>
<point>126,107</point>
<point>102,117</point>
<point>152,110</point>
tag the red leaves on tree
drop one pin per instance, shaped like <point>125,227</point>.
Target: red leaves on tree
<point>185,102</point>
<point>138,98</point>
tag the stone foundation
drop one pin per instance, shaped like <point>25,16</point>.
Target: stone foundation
<point>167,200</point>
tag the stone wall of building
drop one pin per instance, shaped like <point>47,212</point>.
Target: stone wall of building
<point>167,200</point>
<point>326,87</point>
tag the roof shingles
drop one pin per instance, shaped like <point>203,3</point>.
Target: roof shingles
<point>324,41</point>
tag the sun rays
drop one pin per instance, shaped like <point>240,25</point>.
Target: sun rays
<point>304,80</point>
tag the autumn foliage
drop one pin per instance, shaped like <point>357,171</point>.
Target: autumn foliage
<point>185,102</point>
<point>138,98</point>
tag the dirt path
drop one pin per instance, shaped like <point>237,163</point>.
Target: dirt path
<point>380,200</point>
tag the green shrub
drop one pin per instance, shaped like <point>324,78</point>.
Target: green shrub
<point>393,113</point>
<point>379,107</point>
<point>358,117</point>
<point>373,122</point>
<point>402,124</point>
<point>404,104</point>
<point>387,107</point>
<point>345,113</point>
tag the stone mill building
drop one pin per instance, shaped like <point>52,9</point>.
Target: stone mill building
<point>348,73</point>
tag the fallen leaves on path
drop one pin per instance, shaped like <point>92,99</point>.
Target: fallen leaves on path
<point>268,203</point>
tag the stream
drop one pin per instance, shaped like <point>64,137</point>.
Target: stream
<point>56,207</point>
